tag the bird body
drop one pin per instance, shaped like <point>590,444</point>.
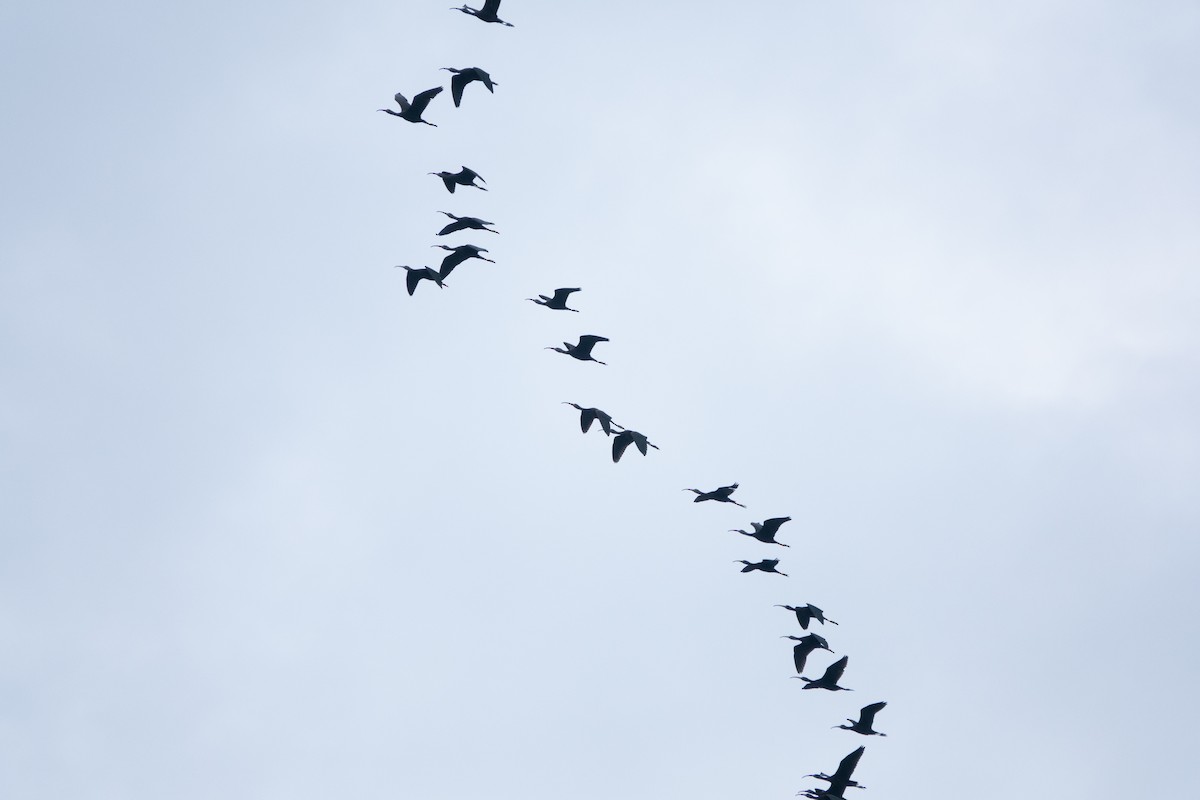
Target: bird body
<point>766,565</point>
<point>487,13</point>
<point>581,351</point>
<point>589,415</point>
<point>765,531</point>
<point>418,274</point>
<point>833,674</point>
<point>807,645</point>
<point>465,223</point>
<point>458,255</point>
<point>627,437</point>
<point>412,112</point>
<point>464,177</point>
<point>721,495</point>
<point>866,721</point>
<point>558,302</point>
<point>468,75</point>
<point>807,613</point>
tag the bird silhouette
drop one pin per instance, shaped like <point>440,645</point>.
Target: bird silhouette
<point>833,673</point>
<point>418,274</point>
<point>765,531</point>
<point>721,494</point>
<point>627,437</point>
<point>766,565</point>
<point>581,351</point>
<point>865,721</point>
<point>840,780</point>
<point>558,302</point>
<point>468,75</point>
<point>412,111</point>
<point>464,177</point>
<point>589,415</point>
<point>808,644</point>
<point>465,223</point>
<point>458,255</point>
<point>487,13</point>
<point>807,613</point>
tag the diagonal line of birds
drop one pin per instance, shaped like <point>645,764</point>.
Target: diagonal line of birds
<point>621,436</point>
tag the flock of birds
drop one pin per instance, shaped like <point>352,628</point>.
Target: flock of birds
<point>622,437</point>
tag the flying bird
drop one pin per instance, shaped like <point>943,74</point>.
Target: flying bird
<point>840,780</point>
<point>833,673</point>
<point>412,111</point>
<point>765,531</point>
<point>808,644</point>
<point>464,177</point>
<point>865,721</point>
<point>487,13</point>
<point>467,75</point>
<point>721,494</point>
<point>558,302</point>
<point>807,613</point>
<point>418,274</point>
<point>627,437</point>
<point>589,415</point>
<point>766,565</point>
<point>581,351</point>
<point>465,223</point>
<point>458,255</point>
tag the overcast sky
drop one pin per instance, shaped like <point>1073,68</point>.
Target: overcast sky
<point>922,276</point>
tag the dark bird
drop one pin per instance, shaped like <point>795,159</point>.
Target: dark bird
<point>418,274</point>
<point>558,302</point>
<point>721,494</point>
<point>765,532</point>
<point>464,177</point>
<point>627,437</point>
<point>865,721</point>
<point>467,75</point>
<point>458,255</point>
<point>465,223</point>
<point>581,351</point>
<point>589,415</point>
<point>413,111</point>
<point>819,794</point>
<point>833,674</point>
<point>807,613</point>
<point>487,13</point>
<point>840,780</point>
<point>808,644</point>
<point>766,565</point>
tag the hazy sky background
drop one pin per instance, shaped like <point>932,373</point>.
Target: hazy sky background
<point>922,276</point>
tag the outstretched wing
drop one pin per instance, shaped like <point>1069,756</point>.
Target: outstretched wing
<point>468,174</point>
<point>453,260</point>
<point>457,225</point>
<point>561,295</point>
<point>771,526</point>
<point>770,563</point>
<point>841,778</point>
<point>586,418</point>
<point>421,101</point>
<point>642,443</point>
<point>490,8</point>
<point>800,656</point>
<point>833,673</point>
<point>586,343</point>
<point>867,715</point>
<point>457,84</point>
<point>620,444</point>
<point>414,277</point>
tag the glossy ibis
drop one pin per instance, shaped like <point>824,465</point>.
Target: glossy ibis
<point>412,111</point>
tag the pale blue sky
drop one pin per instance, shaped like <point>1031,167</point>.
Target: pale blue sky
<point>921,276</point>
